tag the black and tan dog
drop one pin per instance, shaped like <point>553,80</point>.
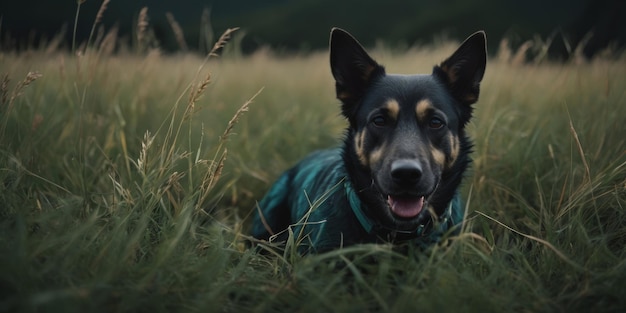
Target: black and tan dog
<point>397,175</point>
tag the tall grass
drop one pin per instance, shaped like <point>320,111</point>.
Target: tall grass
<point>127,179</point>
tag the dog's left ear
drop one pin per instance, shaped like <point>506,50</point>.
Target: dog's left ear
<point>464,70</point>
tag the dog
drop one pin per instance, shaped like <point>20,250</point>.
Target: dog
<point>396,176</point>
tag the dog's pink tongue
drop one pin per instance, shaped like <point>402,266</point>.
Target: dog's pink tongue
<point>406,207</point>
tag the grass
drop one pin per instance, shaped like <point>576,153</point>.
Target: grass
<point>127,180</point>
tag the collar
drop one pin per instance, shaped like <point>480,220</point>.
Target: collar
<point>374,228</point>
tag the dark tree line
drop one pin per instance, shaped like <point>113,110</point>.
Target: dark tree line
<point>304,25</point>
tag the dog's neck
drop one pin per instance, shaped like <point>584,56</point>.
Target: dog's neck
<point>429,232</point>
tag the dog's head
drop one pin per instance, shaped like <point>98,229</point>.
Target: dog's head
<point>406,148</point>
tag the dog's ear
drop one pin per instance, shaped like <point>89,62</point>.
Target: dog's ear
<point>463,71</point>
<point>352,68</point>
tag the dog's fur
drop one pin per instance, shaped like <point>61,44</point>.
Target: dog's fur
<point>397,175</point>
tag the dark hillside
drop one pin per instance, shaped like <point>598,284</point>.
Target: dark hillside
<point>298,25</point>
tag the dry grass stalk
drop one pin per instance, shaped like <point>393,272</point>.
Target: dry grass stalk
<point>79,66</point>
<point>107,46</point>
<point>212,176</point>
<point>206,31</point>
<point>215,171</point>
<point>78,2</point>
<point>504,51</point>
<point>81,49</point>
<point>174,191</point>
<point>124,193</point>
<point>222,41</point>
<point>4,89</point>
<point>142,25</point>
<point>99,36</point>
<point>543,242</point>
<point>520,55</point>
<point>581,151</point>
<point>195,95</point>
<point>244,108</point>
<point>178,31</point>
<point>56,41</point>
<point>196,92</point>
<point>30,77</point>
<point>100,14</point>
<point>142,162</point>
<point>579,55</point>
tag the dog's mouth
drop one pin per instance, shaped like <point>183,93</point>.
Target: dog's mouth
<point>409,206</point>
<point>406,206</point>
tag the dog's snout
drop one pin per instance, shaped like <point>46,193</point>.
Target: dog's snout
<point>406,171</point>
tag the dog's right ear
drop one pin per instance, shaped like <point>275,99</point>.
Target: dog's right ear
<point>352,68</point>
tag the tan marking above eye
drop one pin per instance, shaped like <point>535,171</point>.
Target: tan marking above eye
<point>422,109</point>
<point>393,108</point>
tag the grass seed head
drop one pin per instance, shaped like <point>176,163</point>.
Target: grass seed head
<point>221,42</point>
<point>142,25</point>
<point>100,14</point>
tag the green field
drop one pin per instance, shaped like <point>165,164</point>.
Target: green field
<point>127,182</point>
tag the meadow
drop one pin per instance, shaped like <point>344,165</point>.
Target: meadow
<point>127,181</point>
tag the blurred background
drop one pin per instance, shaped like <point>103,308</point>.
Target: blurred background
<point>300,26</point>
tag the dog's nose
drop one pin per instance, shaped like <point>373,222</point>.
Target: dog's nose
<point>406,171</point>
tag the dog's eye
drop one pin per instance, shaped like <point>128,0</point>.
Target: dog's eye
<point>435,123</point>
<point>379,121</point>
